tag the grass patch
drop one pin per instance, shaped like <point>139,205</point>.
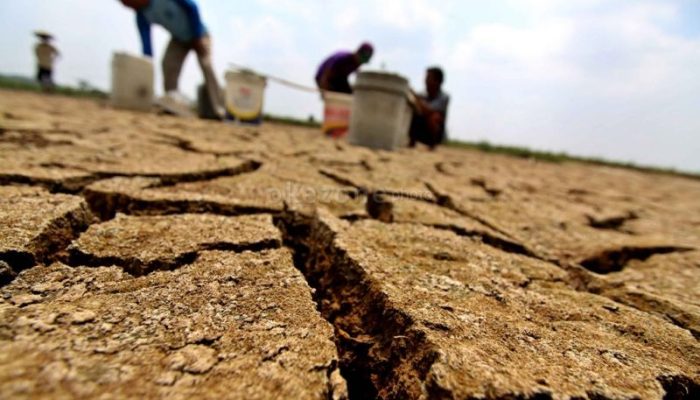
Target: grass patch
<point>560,157</point>
<point>84,89</point>
<point>309,123</point>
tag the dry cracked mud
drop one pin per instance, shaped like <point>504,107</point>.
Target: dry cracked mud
<point>239,325</point>
<point>35,225</point>
<point>142,244</point>
<point>441,315</point>
<point>149,256</point>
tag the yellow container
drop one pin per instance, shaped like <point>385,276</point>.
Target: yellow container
<point>244,93</point>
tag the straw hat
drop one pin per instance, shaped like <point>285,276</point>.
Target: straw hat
<point>43,34</point>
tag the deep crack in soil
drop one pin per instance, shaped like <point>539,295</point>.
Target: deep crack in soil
<point>614,260</point>
<point>49,245</point>
<point>614,223</point>
<point>132,266</point>
<point>66,186</point>
<point>138,267</point>
<point>380,356</point>
<point>679,387</point>
<point>107,204</point>
<point>75,185</point>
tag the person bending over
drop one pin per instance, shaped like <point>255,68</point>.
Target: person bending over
<point>182,19</point>
<point>333,73</point>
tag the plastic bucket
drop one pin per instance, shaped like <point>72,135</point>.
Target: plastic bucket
<point>244,95</point>
<point>337,109</point>
<point>381,116</point>
<point>132,82</point>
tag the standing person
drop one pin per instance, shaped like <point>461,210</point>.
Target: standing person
<point>430,111</point>
<point>46,54</point>
<point>182,19</point>
<point>333,73</point>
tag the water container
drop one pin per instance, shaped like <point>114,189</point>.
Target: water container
<point>337,109</point>
<point>132,82</point>
<point>245,91</point>
<point>381,116</point>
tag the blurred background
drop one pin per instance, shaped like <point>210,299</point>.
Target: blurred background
<point>615,79</point>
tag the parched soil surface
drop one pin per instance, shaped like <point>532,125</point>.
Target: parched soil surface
<point>145,256</point>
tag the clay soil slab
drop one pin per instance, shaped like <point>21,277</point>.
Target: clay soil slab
<point>146,243</point>
<point>37,165</point>
<point>35,223</point>
<point>71,163</point>
<point>557,230</point>
<point>665,284</point>
<point>227,326</point>
<point>455,318</point>
<point>286,183</point>
<point>401,174</point>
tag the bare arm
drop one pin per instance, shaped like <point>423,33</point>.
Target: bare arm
<point>419,105</point>
<point>435,119</point>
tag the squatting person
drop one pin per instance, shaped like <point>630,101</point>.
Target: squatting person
<point>430,111</point>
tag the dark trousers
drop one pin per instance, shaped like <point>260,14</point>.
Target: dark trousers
<point>420,132</point>
<point>174,59</point>
<point>44,76</point>
<point>340,85</point>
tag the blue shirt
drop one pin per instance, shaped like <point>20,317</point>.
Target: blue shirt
<point>179,17</point>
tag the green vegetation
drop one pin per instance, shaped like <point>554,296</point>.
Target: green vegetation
<point>84,89</point>
<point>309,123</point>
<point>560,157</point>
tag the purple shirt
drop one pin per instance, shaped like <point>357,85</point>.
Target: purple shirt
<point>340,65</point>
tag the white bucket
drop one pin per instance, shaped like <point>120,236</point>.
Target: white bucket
<point>245,92</point>
<point>381,116</point>
<point>132,82</point>
<point>337,109</point>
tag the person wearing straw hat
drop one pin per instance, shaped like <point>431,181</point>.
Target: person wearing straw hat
<point>46,55</point>
<point>332,75</point>
<point>182,19</point>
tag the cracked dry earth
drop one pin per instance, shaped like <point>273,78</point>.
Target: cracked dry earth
<point>145,256</point>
